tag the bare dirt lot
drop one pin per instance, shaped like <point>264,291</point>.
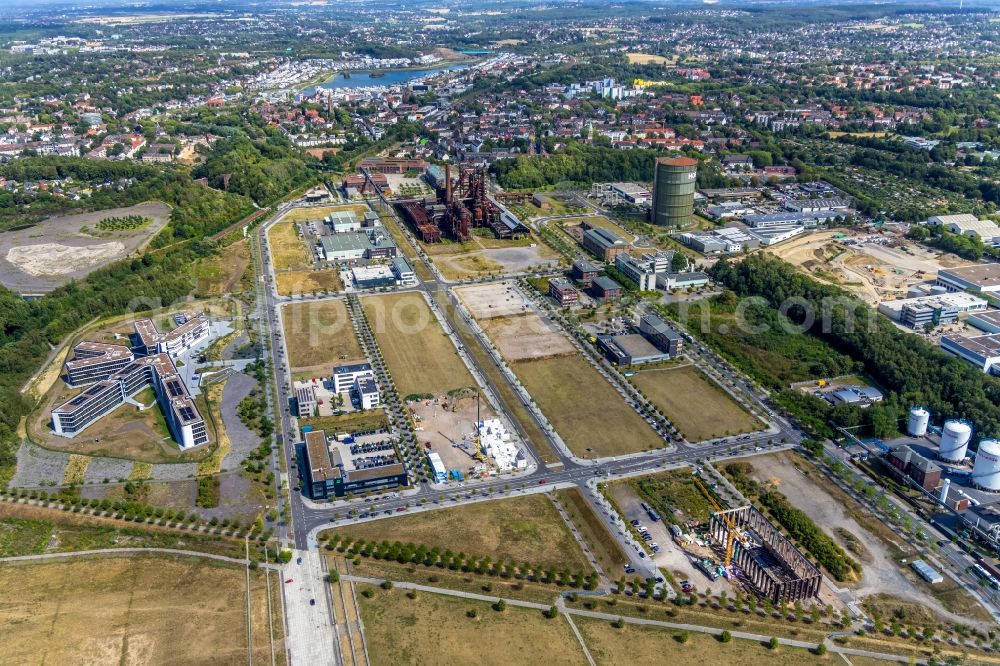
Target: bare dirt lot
<point>44,256</point>
<point>450,427</point>
<point>527,336</point>
<point>496,261</point>
<point>875,267</point>
<point>874,545</point>
<point>508,318</point>
<point>141,610</point>
<point>496,299</point>
<point>485,255</point>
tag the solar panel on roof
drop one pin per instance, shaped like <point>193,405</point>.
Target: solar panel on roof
<point>187,413</point>
<point>174,388</point>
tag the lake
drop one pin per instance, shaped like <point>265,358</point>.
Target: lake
<point>384,77</point>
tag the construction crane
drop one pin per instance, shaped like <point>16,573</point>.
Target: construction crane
<point>733,533</point>
<point>480,456</point>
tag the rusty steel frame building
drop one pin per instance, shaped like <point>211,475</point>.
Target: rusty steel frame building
<point>772,564</point>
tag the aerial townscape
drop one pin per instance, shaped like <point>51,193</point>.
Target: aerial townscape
<point>356,333</point>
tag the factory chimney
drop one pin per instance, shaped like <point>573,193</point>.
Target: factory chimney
<point>944,491</point>
<point>447,184</point>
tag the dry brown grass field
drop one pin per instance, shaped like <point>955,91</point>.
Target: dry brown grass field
<point>523,529</point>
<point>288,250</point>
<point>290,283</point>
<point>700,409</point>
<point>436,629</point>
<point>136,610</point>
<point>221,275</point>
<point>586,411</point>
<point>420,356</point>
<point>319,334</point>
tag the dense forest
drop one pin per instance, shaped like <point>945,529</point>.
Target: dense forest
<point>29,329</point>
<point>911,368</point>
<point>260,170</point>
<point>576,163</point>
<point>195,210</point>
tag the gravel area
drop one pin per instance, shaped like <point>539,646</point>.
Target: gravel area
<point>107,468</point>
<point>37,466</point>
<point>176,472</point>
<point>243,439</point>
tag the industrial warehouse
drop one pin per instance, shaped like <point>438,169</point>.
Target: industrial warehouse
<point>115,373</point>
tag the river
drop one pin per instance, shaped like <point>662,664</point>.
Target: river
<point>385,77</point>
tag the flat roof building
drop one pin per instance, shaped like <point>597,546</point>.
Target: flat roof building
<point>344,376</point>
<point>988,322</point>
<point>305,400</point>
<point>333,469</point>
<point>931,310</point>
<point>403,271</point>
<point>584,272</point>
<point>373,277</point>
<point>728,240</point>
<point>94,361</point>
<point>373,243</point>
<point>630,349</point>
<point>816,205</point>
<point>157,371</point>
<point>367,390</point>
<point>685,280</point>
<point>983,351</point>
<point>660,334</point>
<point>968,225</point>
<point>563,291</point>
<point>803,218</point>
<point>642,273</point>
<point>189,333</point>
<point>976,278</point>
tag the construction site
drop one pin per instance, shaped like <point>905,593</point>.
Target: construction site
<point>762,557</point>
<point>462,435</point>
<point>874,266</point>
<point>458,206</point>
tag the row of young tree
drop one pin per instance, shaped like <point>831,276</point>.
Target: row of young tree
<point>904,364</point>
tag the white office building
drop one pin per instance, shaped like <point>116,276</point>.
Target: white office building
<point>367,391</point>
<point>344,376</point>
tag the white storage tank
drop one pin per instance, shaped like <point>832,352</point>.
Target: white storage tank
<point>916,425</point>
<point>955,438</point>
<point>986,471</point>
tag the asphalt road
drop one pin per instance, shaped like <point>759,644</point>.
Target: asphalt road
<point>306,516</point>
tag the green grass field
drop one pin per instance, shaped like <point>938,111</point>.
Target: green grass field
<point>370,419</point>
<point>697,406</point>
<point>420,357</point>
<point>586,411</point>
<point>522,529</point>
